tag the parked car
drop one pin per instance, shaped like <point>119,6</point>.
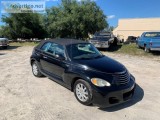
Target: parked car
<point>4,43</point>
<point>150,41</point>
<point>80,67</point>
<point>102,39</point>
<point>131,39</point>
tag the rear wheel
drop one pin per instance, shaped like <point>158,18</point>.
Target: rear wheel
<point>35,70</point>
<point>83,92</point>
<point>5,47</point>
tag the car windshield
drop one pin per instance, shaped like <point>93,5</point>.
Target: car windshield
<point>153,34</point>
<point>83,51</point>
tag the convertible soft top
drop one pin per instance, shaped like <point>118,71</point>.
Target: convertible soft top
<point>63,41</point>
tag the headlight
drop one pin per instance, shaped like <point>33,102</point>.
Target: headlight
<point>99,82</point>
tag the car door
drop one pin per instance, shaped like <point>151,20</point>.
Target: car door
<point>141,40</point>
<point>53,60</point>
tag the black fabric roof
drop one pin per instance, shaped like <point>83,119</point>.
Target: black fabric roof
<point>64,41</point>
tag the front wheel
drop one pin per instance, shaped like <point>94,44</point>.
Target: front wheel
<point>115,42</point>
<point>83,92</point>
<point>146,49</point>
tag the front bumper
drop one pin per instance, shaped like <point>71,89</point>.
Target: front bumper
<point>155,49</point>
<point>101,45</point>
<point>113,97</point>
<point>1,45</point>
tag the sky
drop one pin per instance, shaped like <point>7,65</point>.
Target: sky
<point>118,9</point>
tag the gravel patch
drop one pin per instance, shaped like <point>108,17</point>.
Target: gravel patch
<point>25,97</point>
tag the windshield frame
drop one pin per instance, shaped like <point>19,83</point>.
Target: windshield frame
<point>152,34</point>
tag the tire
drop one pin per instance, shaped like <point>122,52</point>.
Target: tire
<point>5,47</point>
<point>35,70</point>
<point>83,92</point>
<point>138,46</point>
<point>115,42</point>
<point>146,49</point>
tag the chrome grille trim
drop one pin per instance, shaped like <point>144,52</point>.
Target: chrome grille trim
<point>121,78</point>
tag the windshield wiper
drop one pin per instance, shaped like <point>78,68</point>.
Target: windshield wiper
<point>98,56</point>
<point>82,58</point>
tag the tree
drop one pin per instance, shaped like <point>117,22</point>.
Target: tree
<point>71,19</point>
<point>23,25</point>
<point>111,28</point>
<point>75,19</point>
<point>1,33</point>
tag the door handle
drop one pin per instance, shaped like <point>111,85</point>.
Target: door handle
<point>67,65</point>
<point>45,57</point>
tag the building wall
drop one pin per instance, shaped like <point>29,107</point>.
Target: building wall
<point>135,27</point>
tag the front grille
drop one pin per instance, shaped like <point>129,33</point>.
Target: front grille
<point>3,41</point>
<point>121,78</point>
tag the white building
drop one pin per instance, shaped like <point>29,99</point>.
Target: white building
<point>135,27</point>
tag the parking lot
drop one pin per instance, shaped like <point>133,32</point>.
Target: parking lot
<point>25,97</point>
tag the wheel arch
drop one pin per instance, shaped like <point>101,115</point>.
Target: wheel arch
<point>73,82</point>
<point>32,60</point>
<point>78,78</point>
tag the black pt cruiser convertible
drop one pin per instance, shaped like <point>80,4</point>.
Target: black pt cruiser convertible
<point>80,67</point>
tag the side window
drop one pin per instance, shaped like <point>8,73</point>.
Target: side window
<point>60,51</point>
<point>45,46</point>
<point>54,49</point>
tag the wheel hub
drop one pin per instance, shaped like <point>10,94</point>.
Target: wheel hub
<point>35,69</point>
<point>82,92</point>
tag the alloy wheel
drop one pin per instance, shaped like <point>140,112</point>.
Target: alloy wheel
<point>35,69</point>
<point>82,92</point>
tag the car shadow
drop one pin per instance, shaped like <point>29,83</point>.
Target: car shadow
<point>10,48</point>
<point>156,53</point>
<point>112,48</point>
<point>138,96</point>
<point>2,53</point>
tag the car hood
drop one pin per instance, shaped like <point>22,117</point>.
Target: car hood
<point>103,64</point>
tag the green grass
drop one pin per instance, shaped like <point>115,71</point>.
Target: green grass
<point>131,49</point>
<point>23,44</point>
